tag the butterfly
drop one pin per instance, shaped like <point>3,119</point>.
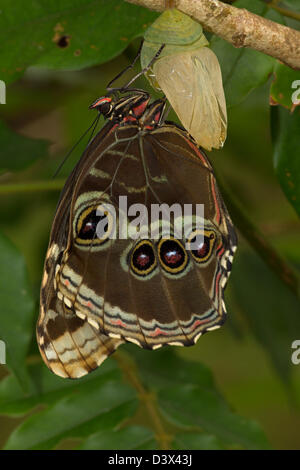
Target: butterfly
<point>98,290</point>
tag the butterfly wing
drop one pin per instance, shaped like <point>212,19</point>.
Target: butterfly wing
<point>178,301</point>
<point>125,287</point>
<point>70,345</point>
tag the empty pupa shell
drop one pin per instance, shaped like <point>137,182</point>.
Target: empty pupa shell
<point>189,74</point>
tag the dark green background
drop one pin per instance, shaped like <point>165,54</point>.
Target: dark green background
<point>250,357</point>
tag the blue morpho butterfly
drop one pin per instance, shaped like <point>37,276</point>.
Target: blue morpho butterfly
<point>98,291</point>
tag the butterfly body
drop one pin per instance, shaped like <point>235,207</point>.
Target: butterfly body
<point>100,290</point>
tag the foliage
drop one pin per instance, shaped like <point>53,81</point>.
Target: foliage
<point>137,399</point>
<point>102,402</point>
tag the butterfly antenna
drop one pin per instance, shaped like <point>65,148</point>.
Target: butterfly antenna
<point>94,123</point>
<point>93,130</point>
<point>130,66</point>
<point>125,87</point>
<point>165,113</point>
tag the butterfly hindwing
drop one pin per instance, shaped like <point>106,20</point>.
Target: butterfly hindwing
<point>103,288</point>
<point>155,306</point>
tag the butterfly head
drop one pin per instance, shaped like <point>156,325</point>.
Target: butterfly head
<point>128,108</point>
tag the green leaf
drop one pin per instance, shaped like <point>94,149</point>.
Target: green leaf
<point>19,152</point>
<point>188,398</point>
<point>157,369</point>
<point>273,313</point>
<point>293,4</point>
<point>100,404</point>
<point>47,388</point>
<point>129,438</point>
<point>285,89</point>
<point>197,441</point>
<point>191,405</point>
<point>244,69</point>
<point>285,132</point>
<point>69,34</point>
<point>94,407</point>
<point>17,308</point>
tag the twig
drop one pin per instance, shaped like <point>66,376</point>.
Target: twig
<point>129,369</point>
<point>32,186</point>
<point>239,27</point>
<point>285,12</point>
<point>259,242</point>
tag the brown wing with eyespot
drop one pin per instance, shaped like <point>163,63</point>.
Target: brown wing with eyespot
<point>70,345</point>
<point>147,296</point>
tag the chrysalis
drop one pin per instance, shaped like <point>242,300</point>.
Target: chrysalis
<point>189,74</point>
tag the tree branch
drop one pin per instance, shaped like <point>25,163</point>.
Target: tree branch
<point>239,27</point>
